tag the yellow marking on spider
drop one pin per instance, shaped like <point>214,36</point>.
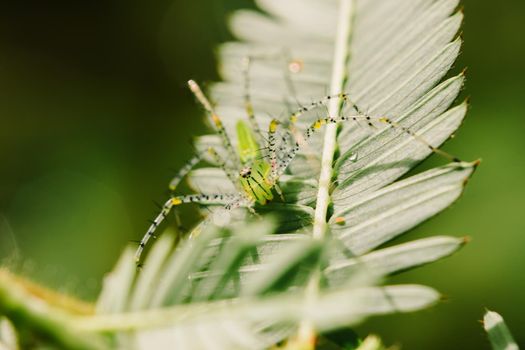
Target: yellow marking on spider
<point>249,109</point>
<point>216,120</point>
<point>273,125</point>
<point>176,201</point>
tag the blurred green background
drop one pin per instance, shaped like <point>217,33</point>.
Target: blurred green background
<point>95,116</point>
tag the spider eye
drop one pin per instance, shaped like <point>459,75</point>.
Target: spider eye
<point>245,172</point>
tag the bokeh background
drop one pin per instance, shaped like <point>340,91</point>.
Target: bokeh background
<point>94,117</point>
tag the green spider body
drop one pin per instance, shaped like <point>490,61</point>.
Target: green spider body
<point>255,179</point>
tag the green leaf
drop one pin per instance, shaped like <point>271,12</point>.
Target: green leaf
<point>172,286</point>
<point>231,324</point>
<point>118,285</point>
<point>284,270</point>
<point>377,217</point>
<point>223,270</point>
<point>394,259</point>
<point>388,154</point>
<point>289,217</point>
<point>150,274</point>
<point>498,332</point>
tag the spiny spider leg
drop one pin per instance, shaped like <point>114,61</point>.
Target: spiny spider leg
<point>274,161</point>
<point>271,141</point>
<point>248,105</point>
<point>174,183</point>
<point>219,198</point>
<point>419,138</point>
<point>197,198</point>
<point>272,146</point>
<point>315,126</point>
<point>345,98</point>
<point>221,163</point>
<point>194,87</point>
<point>185,170</point>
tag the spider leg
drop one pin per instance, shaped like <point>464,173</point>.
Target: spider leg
<point>185,170</point>
<point>272,147</point>
<point>222,164</point>
<point>344,97</point>
<point>279,191</point>
<point>174,183</point>
<point>217,122</point>
<point>175,201</point>
<point>315,126</point>
<point>248,105</point>
<point>418,138</point>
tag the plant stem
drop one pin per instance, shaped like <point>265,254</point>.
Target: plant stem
<point>51,324</point>
<point>338,80</point>
<point>306,333</point>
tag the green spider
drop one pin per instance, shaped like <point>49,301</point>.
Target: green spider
<point>256,175</point>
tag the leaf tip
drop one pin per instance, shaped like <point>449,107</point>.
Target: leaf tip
<point>467,102</point>
<point>491,319</point>
<point>443,298</point>
<point>472,165</point>
<point>466,240</point>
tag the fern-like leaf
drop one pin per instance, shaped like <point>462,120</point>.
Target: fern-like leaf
<point>243,286</point>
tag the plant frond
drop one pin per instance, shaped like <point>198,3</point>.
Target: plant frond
<point>246,286</point>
